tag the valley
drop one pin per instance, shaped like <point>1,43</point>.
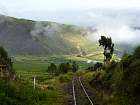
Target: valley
<point>48,63</point>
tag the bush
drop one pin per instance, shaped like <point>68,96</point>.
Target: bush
<point>16,93</point>
<point>64,68</point>
<point>8,71</point>
<point>64,78</point>
<point>137,52</point>
<point>121,80</point>
<point>98,66</point>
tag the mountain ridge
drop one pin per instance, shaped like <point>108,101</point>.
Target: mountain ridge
<point>21,36</point>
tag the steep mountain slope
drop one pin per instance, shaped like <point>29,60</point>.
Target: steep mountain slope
<point>21,36</point>
<point>27,37</point>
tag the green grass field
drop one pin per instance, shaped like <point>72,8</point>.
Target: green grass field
<point>29,66</point>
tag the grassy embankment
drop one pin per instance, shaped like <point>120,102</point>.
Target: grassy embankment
<point>119,83</point>
<point>49,89</point>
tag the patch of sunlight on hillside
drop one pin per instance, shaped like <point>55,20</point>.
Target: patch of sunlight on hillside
<point>77,40</point>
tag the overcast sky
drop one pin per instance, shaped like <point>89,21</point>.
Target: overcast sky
<point>62,5</point>
<point>110,17</point>
<point>30,8</point>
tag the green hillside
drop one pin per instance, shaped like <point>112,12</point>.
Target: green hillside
<point>23,37</point>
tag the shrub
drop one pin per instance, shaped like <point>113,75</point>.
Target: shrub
<point>16,93</point>
<point>64,78</point>
<point>137,52</point>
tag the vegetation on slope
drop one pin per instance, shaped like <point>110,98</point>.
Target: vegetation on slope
<point>6,65</point>
<point>119,83</point>
<point>19,90</point>
<point>20,36</point>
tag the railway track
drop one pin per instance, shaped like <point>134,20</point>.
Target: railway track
<point>80,94</point>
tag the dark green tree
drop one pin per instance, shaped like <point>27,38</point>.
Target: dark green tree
<point>137,52</point>
<point>69,67</point>
<point>65,67</point>
<point>74,66</point>
<point>7,62</point>
<point>3,53</point>
<point>108,47</point>
<point>52,68</point>
<point>98,66</point>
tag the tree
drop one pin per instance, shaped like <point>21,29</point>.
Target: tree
<point>65,67</point>
<point>98,66</point>
<point>52,68</point>
<point>69,67</point>
<point>7,63</point>
<point>108,47</point>
<point>74,66</point>
<point>3,53</point>
<point>137,52</point>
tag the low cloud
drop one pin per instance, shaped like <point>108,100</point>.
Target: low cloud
<point>45,29</point>
<point>123,27</point>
